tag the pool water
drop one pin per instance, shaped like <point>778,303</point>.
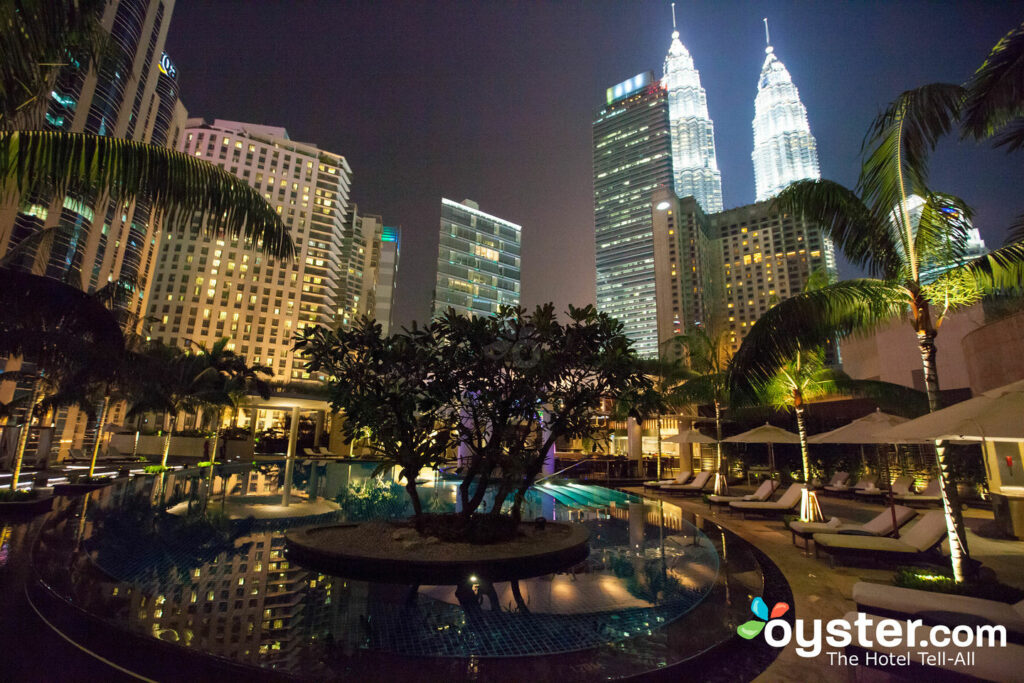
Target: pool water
<point>208,573</point>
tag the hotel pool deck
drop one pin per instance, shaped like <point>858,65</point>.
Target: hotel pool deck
<point>136,575</point>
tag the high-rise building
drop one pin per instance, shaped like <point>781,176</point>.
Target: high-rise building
<point>387,277</point>
<point>632,159</point>
<point>205,289</point>
<point>360,258</point>
<point>784,149</point>
<point>94,238</point>
<point>478,261</point>
<point>694,163</point>
<point>724,270</point>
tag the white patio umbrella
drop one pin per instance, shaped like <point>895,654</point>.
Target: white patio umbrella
<point>873,428</point>
<point>769,434</point>
<point>995,415</point>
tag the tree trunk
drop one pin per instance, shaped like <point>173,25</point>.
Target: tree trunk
<point>810,511</point>
<point>958,553</point>
<point>167,441</point>
<point>99,435</point>
<point>19,452</point>
<point>504,489</point>
<point>721,487</point>
<point>414,496</point>
<point>659,447</point>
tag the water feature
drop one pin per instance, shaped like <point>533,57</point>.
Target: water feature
<point>205,574</point>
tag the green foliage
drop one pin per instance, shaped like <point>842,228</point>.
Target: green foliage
<point>993,106</point>
<point>373,499</point>
<point>10,496</point>
<point>941,581</point>
<point>155,469</point>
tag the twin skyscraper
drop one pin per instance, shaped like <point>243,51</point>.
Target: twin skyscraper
<point>668,257</point>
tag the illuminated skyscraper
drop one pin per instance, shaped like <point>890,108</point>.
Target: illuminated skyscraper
<point>478,261</point>
<point>784,149</point>
<point>694,164</point>
<point>632,159</point>
<point>387,277</point>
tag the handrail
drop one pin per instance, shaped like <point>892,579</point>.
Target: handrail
<point>578,462</point>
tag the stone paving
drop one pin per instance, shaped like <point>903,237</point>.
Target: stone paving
<point>824,592</point>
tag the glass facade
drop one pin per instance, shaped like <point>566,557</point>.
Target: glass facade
<point>387,277</point>
<point>478,261</point>
<point>632,159</point>
<point>784,149</point>
<point>694,163</point>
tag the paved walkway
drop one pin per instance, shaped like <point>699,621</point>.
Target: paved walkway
<point>824,592</point>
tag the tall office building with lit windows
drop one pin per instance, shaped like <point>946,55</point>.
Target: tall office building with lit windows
<point>694,162</point>
<point>632,159</point>
<point>478,261</point>
<point>784,149</point>
<point>205,290</point>
<point>94,237</point>
<point>387,277</point>
<point>360,258</point>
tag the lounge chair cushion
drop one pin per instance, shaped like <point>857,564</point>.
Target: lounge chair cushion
<point>924,535</point>
<point>839,479</point>
<point>680,479</point>
<point>763,492</point>
<point>697,484</point>
<point>876,596</point>
<point>989,663</point>
<point>880,525</point>
<point>790,499</point>
<point>931,492</point>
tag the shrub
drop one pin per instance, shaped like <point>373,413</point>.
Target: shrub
<point>9,496</point>
<point>155,469</point>
<point>941,581</point>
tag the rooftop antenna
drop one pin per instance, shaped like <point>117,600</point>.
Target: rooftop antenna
<point>767,39</point>
<point>673,16</point>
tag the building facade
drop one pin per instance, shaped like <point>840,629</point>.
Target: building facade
<point>387,277</point>
<point>360,256</point>
<point>478,261</point>
<point>92,238</point>
<point>205,290</point>
<point>724,270</point>
<point>694,162</point>
<point>784,149</point>
<point>632,160</point>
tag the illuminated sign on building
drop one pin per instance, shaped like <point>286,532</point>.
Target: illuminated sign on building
<point>167,66</point>
<point>628,86</point>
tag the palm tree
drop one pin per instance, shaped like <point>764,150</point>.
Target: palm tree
<point>708,355</point>
<point>876,229</point>
<point>37,39</point>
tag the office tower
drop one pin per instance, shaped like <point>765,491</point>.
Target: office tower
<point>632,159</point>
<point>204,289</point>
<point>98,239</point>
<point>784,149</point>
<point>694,164</point>
<point>91,237</point>
<point>478,262</point>
<point>741,263</point>
<point>360,257</point>
<point>387,277</point>
<point>948,256</point>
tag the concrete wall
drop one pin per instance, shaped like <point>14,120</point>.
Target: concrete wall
<point>994,354</point>
<point>890,354</point>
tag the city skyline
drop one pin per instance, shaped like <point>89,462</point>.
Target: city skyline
<point>518,114</point>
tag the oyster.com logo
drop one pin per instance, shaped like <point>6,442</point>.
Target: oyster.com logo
<point>751,629</point>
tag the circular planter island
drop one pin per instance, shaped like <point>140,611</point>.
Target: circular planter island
<point>393,552</point>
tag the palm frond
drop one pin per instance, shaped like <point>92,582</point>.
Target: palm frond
<point>1015,233</point>
<point>942,233</point>
<point>812,319</point>
<point>899,142</point>
<point>994,105</point>
<point>175,184</point>
<point>1002,269</point>
<point>864,237</point>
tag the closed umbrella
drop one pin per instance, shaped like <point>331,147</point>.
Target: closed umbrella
<point>769,434</point>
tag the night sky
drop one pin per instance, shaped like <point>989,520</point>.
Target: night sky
<point>494,101</point>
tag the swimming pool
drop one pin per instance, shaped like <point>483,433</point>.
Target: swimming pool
<point>148,562</point>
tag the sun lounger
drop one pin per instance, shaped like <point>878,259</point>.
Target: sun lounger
<point>930,494</point>
<point>899,487</point>
<point>789,500</point>
<point>866,482</point>
<point>694,487</point>
<point>986,662</point>
<point>763,493</point>
<point>939,608</point>
<point>680,479</point>
<point>918,542</point>
<point>881,525</point>
<point>838,479</point>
